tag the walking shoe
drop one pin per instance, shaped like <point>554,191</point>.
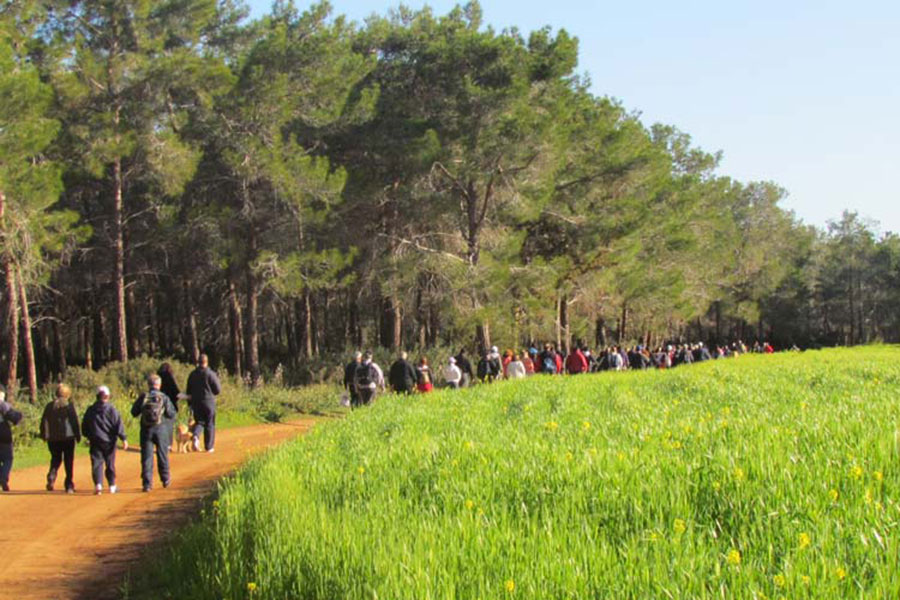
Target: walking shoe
<point>98,489</point>
<point>167,483</point>
<point>49,487</point>
<point>113,489</point>
<point>210,451</point>
<point>196,445</point>
<point>70,490</point>
<point>5,487</point>
<point>146,488</point>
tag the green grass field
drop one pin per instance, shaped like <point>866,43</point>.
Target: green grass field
<point>756,477</point>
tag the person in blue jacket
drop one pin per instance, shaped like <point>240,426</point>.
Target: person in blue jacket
<point>8,416</point>
<point>101,425</point>
<point>155,410</point>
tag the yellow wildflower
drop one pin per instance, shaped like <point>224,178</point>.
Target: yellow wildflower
<point>469,445</point>
<point>833,494</point>
<point>857,472</point>
<point>586,425</point>
<point>680,526</point>
<point>716,486</point>
<point>734,557</point>
<point>469,504</point>
<point>804,540</point>
<point>878,475</point>
<point>840,573</point>
<point>805,579</point>
<point>869,497</point>
<point>739,473</point>
<point>361,470</point>
<point>510,586</point>
<point>552,425</point>
<point>251,587</point>
<point>779,580</point>
<point>569,456</point>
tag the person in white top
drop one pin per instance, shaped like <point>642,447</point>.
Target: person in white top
<point>516,368</point>
<point>452,374</point>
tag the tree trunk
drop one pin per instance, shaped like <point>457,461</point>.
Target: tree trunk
<point>134,323</point>
<point>252,316</point>
<point>100,339</point>
<point>12,329</point>
<point>192,341</point>
<point>89,344</point>
<point>119,255</point>
<point>237,341</point>
<point>483,336</point>
<point>306,324</point>
<point>564,323</point>
<point>623,323</point>
<point>30,367</point>
<point>59,342</point>
<point>152,341</point>
<point>718,321</point>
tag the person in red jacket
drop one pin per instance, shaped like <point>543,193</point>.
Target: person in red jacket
<point>576,362</point>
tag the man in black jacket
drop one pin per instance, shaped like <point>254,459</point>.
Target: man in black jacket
<point>349,378</point>
<point>101,425</point>
<point>203,386</point>
<point>402,375</point>
<point>155,409</point>
<point>8,416</point>
<point>465,367</point>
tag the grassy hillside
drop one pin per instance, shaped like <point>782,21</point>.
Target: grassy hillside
<point>761,476</point>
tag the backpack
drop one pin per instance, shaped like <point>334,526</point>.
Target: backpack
<point>364,378</point>
<point>484,368</point>
<point>152,410</point>
<point>548,365</point>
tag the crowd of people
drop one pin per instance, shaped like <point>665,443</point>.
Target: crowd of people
<point>102,428</point>
<point>363,378</point>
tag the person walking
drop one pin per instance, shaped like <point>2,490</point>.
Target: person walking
<point>154,409</point>
<point>516,368</point>
<point>59,428</point>
<point>365,379</point>
<point>402,375</point>
<point>170,388</point>
<point>452,374</point>
<point>576,362</point>
<point>424,380</point>
<point>349,378</point>
<point>203,386</point>
<point>101,425</point>
<point>8,416</point>
<point>465,367</point>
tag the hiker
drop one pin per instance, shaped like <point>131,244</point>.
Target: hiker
<point>101,425</point>
<point>452,374</point>
<point>402,375</point>
<point>203,386</point>
<point>465,367</point>
<point>576,362</point>
<point>349,375</point>
<point>155,409</point>
<point>59,428</point>
<point>488,369</point>
<point>170,389</point>
<point>365,379</point>
<point>547,361</point>
<point>8,416</point>
<point>424,379</point>
<point>516,368</point>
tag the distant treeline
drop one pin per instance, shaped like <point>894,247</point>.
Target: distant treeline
<point>175,177</point>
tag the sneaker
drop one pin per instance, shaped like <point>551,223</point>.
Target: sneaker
<point>5,487</point>
<point>70,490</point>
<point>98,489</point>
<point>210,450</point>
<point>113,489</point>
<point>167,483</point>
<point>196,445</point>
<point>146,488</point>
<point>49,487</point>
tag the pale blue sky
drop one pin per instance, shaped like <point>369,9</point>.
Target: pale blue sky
<point>804,93</point>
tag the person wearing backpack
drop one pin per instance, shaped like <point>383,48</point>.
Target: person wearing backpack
<point>59,428</point>
<point>101,425</point>
<point>154,409</point>
<point>365,380</point>
<point>202,387</point>
<point>547,360</point>
<point>8,416</point>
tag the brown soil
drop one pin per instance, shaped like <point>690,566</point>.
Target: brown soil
<point>58,545</point>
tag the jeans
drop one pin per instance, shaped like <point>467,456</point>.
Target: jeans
<point>103,454</point>
<point>6,461</point>
<point>205,422</point>
<point>156,438</point>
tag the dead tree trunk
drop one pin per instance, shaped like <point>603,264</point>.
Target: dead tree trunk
<point>30,366</point>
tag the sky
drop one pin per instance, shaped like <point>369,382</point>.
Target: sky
<point>805,93</point>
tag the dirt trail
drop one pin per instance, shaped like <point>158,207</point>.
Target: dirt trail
<point>54,545</point>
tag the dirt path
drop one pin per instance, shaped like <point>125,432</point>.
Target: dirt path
<point>54,545</point>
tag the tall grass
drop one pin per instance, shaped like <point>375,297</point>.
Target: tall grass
<point>756,477</point>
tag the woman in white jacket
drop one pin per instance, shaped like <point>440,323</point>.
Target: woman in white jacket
<point>516,368</point>
<point>452,374</point>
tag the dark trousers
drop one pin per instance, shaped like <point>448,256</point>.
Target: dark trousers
<point>103,454</point>
<point>156,438</point>
<point>6,460</point>
<point>366,396</point>
<point>205,422</point>
<point>61,453</point>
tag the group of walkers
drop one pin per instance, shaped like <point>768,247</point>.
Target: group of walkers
<point>102,427</point>
<point>363,378</point>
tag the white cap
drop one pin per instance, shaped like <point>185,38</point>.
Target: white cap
<point>452,360</point>
<point>103,390</point>
<point>494,349</point>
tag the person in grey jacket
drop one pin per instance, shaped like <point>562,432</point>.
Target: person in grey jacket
<point>155,410</point>
<point>203,386</point>
<point>101,425</point>
<point>59,428</point>
<point>8,416</point>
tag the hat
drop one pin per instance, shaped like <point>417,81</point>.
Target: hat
<point>452,360</point>
<point>103,390</point>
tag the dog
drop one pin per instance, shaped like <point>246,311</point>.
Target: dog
<point>184,438</point>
